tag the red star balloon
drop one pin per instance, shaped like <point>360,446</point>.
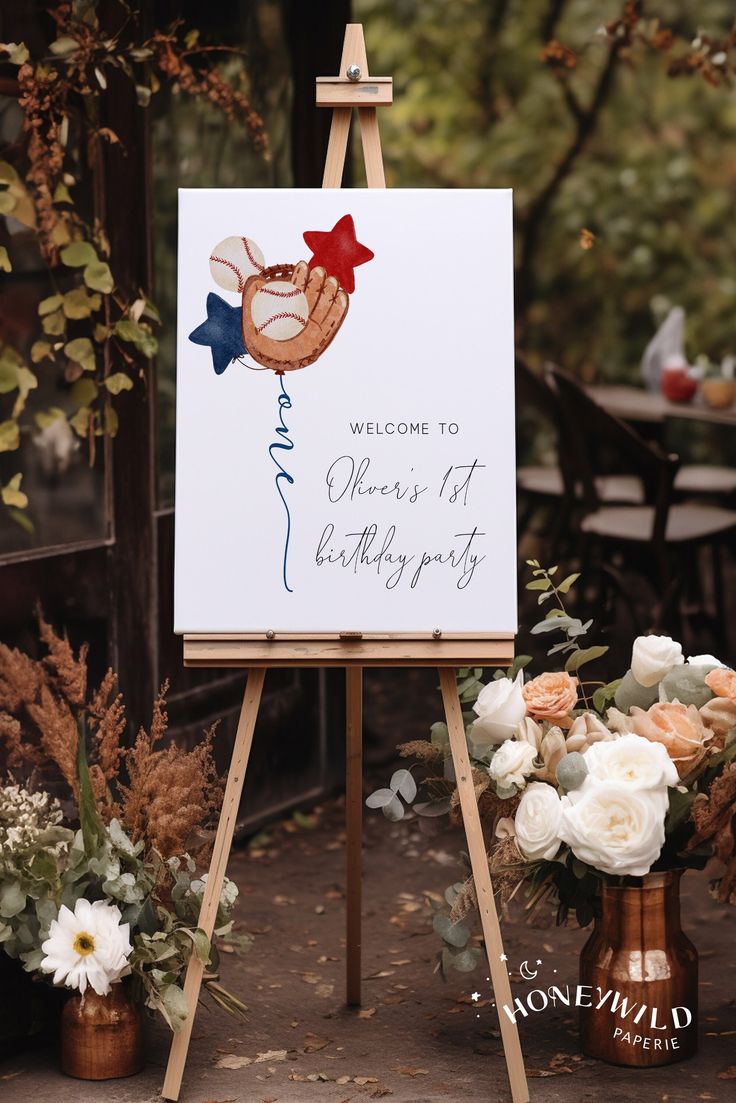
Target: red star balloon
<point>338,251</point>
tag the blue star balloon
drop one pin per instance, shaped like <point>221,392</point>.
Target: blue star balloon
<point>223,332</point>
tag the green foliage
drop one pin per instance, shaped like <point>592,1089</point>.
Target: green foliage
<point>402,784</point>
<point>557,619</point>
<point>480,102</point>
<point>91,322</point>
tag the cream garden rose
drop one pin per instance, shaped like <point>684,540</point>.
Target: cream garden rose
<point>537,822</point>
<point>654,656</point>
<point>633,761</point>
<point>614,827</point>
<point>500,708</point>
<point>512,763</point>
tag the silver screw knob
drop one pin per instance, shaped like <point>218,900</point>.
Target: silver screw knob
<point>270,634</point>
<point>437,633</point>
<point>354,72</point>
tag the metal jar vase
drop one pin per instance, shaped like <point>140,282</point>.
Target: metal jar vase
<point>642,972</point>
<point>101,1036</point>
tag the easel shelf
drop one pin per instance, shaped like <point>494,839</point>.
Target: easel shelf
<point>224,651</point>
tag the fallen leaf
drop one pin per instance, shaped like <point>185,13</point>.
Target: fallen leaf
<point>313,1043</point>
<point>232,1061</point>
<point>362,1080</point>
<point>728,1074</point>
<point>377,976</point>
<point>402,961</point>
<point>235,1061</point>
<point>324,990</point>
<point>367,1013</point>
<point>409,1070</point>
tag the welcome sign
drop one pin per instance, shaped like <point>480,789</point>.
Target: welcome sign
<point>345,413</point>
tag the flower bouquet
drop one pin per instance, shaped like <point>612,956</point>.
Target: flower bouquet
<point>583,785</point>
<point>99,883</point>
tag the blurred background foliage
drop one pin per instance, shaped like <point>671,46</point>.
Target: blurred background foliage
<point>194,146</point>
<point>643,218</point>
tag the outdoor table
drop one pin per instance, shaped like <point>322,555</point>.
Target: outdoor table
<point>637,404</point>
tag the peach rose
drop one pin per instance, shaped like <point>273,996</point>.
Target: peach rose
<point>679,727</point>
<point>719,714</point>
<point>723,682</point>
<point>551,696</point>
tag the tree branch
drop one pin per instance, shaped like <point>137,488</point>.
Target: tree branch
<point>536,213</point>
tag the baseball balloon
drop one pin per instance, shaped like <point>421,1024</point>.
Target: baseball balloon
<point>233,260</point>
<point>279,310</point>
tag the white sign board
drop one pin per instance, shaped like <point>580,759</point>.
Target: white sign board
<point>345,425</point>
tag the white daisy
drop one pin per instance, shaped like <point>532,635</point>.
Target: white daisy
<point>88,946</point>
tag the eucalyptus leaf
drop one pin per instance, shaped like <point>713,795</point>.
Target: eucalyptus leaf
<point>394,810</point>
<point>455,934</point>
<point>564,586</point>
<point>552,624</point>
<point>402,782</point>
<point>380,798</point>
<point>466,960</point>
<point>587,655</point>
<point>433,808</point>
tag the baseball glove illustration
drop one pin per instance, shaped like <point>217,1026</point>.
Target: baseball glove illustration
<point>327,304</point>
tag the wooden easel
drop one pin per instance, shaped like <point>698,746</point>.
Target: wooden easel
<point>352,650</point>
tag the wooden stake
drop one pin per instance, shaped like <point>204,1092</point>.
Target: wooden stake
<point>483,886</point>
<point>218,865</point>
<point>354,830</point>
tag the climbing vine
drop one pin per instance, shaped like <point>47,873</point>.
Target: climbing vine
<point>92,330</point>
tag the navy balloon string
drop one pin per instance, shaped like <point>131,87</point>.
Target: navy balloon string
<point>285,444</point>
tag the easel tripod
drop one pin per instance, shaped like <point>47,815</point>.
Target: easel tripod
<point>353,88</point>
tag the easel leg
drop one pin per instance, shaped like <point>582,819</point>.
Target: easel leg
<point>218,865</point>
<point>354,829</point>
<point>483,886</point>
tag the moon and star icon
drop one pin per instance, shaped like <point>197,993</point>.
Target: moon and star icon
<point>527,972</point>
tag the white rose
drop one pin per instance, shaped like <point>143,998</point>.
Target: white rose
<point>613,827</point>
<point>654,656</point>
<point>704,660</point>
<point>512,763</point>
<point>633,761</point>
<point>537,822</point>
<point>500,709</point>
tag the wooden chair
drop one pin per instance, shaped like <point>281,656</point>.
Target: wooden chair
<point>555,488</point>
<point>660,535</point>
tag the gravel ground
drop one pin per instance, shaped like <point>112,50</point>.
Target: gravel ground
<point>417,1039</point>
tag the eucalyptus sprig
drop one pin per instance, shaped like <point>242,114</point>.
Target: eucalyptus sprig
<point>557,619</point>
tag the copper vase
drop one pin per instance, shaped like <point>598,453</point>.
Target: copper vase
<point>642,971</point>
<point>101,1036</point>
